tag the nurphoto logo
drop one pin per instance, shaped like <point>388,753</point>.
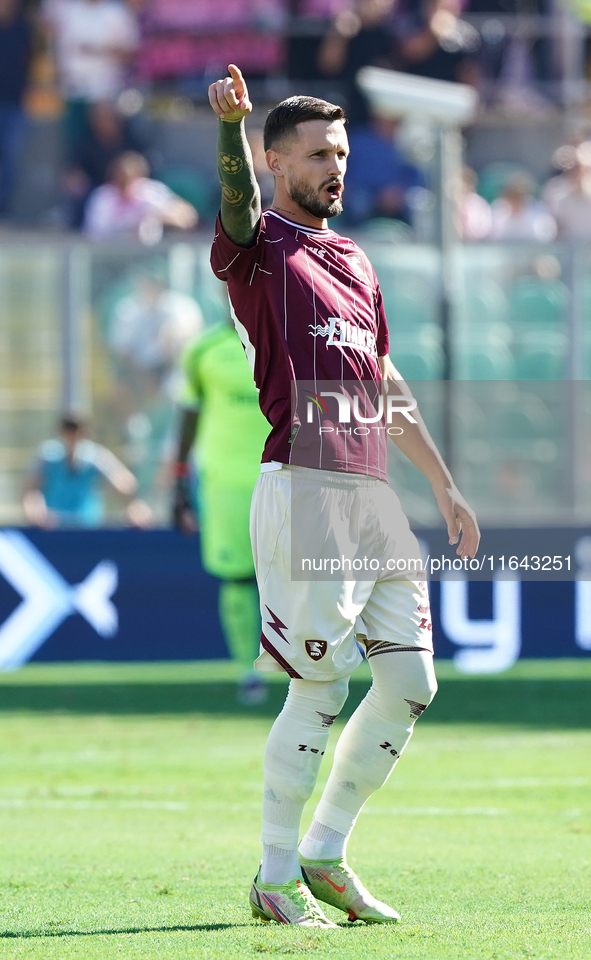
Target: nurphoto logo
<point>350,410</point>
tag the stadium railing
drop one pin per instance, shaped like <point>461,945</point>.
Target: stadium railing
<point>520,341</point>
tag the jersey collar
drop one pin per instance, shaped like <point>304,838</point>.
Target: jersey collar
<point>311,231</point>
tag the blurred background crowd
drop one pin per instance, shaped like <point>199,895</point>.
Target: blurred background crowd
<point>87,87</point>
<point>108,194</point>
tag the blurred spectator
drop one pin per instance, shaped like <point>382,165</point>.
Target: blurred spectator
<point>132,205</point>
<point>358,37</point>
<point>569,194</point>
<point>15,50</point>
<point>520,64</point>
<point>474,217</point>
<point>148,332</point>
<point>516,215</point>
<point>379,177</point>
<point>93,42</point>
<point>108,136</point>
<point>305,36</point>
<point>436,43</point>
<point>64,487</point>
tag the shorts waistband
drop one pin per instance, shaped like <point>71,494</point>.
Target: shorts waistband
<point>329,478</point>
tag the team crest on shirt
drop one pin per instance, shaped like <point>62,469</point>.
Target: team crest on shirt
<point>316,649</point>
<point>356,264</point>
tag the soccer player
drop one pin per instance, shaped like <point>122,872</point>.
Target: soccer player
<point>308,308</point>
<point>221,416</point>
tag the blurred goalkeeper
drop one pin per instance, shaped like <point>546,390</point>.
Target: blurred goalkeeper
<point>222,420</point>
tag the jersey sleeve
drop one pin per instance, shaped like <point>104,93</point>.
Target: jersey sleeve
<point>229,261</point>
<point>383,337</point>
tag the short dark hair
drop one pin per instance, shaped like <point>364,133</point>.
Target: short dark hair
<point>70,423</point>
<point>283,119</point>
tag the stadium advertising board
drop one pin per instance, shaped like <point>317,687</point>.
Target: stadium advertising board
<point>128,595</point>
<point>196,39</point>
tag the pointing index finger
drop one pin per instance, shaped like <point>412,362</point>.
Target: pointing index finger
<point>239,85</point>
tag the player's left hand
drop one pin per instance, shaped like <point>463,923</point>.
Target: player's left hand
<point>183,513</point>
<point>229,97</point>
<point>459,517</point>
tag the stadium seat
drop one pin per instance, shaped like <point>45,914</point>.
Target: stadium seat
<point>494,176</point>
<point>481,352</point>
<point>482,303</point>
<point>586,309</point>
<point>409,280</point>
<point>419,357</point>
<point>419,364</point>
<point>540,354</point>
<point>470,410</point>
<point>522,417</point>
<point>385,230</point>
<point>541,363</point>
<point>408,305</point>
<point>537,301</point>
<point>484,362</point>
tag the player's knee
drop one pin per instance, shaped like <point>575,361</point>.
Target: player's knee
<point>337,693</point>
<point>431,685</point>
<point>406,682</point>
<point>320,697</point>
<point>421,686</point>
<point>426,681</point>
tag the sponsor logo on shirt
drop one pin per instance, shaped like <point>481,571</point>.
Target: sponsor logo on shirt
<point>345,333</point>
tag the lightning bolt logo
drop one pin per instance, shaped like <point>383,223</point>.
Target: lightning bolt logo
<point>276,625</point>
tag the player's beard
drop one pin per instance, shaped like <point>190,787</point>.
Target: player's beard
<point>308,199</point>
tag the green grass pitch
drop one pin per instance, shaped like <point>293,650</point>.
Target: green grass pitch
<point>129,808</point>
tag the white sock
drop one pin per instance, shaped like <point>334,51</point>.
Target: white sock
<point>375,736</point>
<point>323,843</point>
<point>293,755</point>
<point>280,864</point>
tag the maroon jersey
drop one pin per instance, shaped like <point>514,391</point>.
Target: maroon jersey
<point>308,309</point>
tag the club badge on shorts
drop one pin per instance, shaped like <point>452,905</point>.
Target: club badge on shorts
<point>316,649</point>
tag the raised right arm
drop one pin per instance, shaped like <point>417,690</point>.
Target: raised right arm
<point>241,198</point>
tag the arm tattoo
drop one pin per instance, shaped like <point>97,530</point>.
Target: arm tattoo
<point>230,163</point>
<point>241,203</point>
<point>231,195</point>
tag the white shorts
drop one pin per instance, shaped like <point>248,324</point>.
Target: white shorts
<point>308,625</point>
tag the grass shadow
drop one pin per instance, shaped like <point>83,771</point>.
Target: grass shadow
<point>552,703</point>
<point>179,928</point>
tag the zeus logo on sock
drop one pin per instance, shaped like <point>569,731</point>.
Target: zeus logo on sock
<point>316,649</point>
